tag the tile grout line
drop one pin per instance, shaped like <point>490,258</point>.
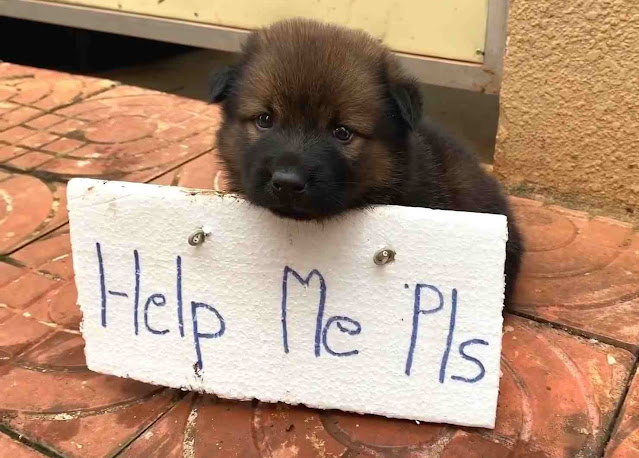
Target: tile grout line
<point>33,445</point>
<point>62,178</point>
<point>50,111</point>
<point>632,349</point>
<point>4,428</point>
<point>617,416</point>
<point>178,397</point>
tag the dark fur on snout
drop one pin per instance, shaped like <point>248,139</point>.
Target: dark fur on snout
<point>288,103</point>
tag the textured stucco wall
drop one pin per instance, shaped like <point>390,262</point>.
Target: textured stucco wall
<point>569,118</point>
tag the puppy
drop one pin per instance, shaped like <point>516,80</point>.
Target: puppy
<point>319,119</point>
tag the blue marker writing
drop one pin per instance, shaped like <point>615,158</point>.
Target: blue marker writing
<point>320,309</point>
<point>482,370</point>
<point>449,339</point>
<point>417,311</point>
<point>103,306</point>
<point>159,301</point>
<point>352,332</point>
<point>197,335</point>
<point>179,296</point>
<point>136,303</point>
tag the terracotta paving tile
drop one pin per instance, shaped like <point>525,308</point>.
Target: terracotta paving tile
<point>125,137</point>
<point>6,107</point>
<point>39,282</point>
<point>29,207</point>
<point>44,121</point>
<point>63,145</point>
<point>46,89</point>
<point>15,134</point>
<point>32,387</point>
<point>94,430</point>
<point>9,273</point>
<point>30,161</point>
<point>9,152</point>
<point>67,126</point>
<point>37,140</point>
<point>51,249</point>
<point>19,332</point>
<point>122,133</point>
<point>558,394</point>
<point>16,114</point>
<point>579,272</point>
<point>80,110</point>
<point>14,449</point>
<point>46,392</point>
<point>20,294</point>
<point>14,71</point>
<point>5,93</point>
<point>625,439</point>
<point>125,91</point>
<point>129,132</point>
<point>205,172</point>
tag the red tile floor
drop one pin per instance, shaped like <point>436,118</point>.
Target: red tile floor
<point>568,386</point>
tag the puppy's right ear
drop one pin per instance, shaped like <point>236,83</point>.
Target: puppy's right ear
<point>220,84</point>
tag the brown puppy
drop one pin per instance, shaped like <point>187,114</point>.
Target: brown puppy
<point>319,119</point>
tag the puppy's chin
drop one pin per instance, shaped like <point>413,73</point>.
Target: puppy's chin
<point>296,214</point>
<point>300,213</point>
<point>303,214</point>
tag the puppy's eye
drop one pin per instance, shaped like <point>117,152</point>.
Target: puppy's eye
<point>264,121</point>
<point>343,134</point>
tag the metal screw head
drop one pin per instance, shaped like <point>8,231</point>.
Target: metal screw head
<point>384,256</point>
<point>197,238</point>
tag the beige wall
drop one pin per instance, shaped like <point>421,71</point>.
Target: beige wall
<point>569,118</point>
<point>452,29</point>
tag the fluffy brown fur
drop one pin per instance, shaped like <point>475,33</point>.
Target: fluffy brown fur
<point>320,119</point>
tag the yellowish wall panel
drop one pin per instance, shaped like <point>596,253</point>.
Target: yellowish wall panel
<point>452,29</point>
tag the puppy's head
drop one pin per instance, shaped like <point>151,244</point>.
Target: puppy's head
<point>316,119</point>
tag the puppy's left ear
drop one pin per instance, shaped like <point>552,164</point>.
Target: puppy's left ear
<point>408,100</point>
<point>220,84</point>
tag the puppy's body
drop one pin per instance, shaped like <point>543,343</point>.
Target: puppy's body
<point>319,119</point>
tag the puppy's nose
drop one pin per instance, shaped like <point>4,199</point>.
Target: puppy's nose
<point>288,182</point>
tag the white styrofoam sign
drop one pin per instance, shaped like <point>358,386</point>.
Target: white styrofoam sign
<point>288,311</point>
